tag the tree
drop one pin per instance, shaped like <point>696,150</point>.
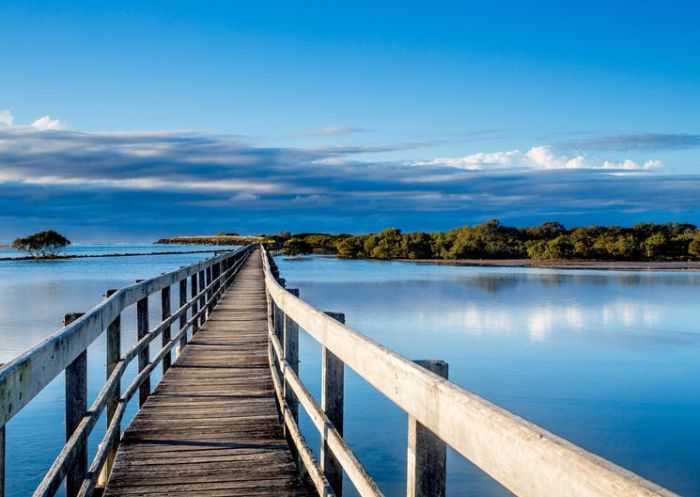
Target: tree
<point>296,246</point>
<point>694,247</point>
<point>351,247</point>
<point>655,246</point>
<point>44,244</point>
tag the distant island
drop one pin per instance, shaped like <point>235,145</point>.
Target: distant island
<point>493,241</point>
<point>220,239</point>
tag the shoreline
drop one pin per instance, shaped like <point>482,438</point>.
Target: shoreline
<point>594,265</point>
<point>91,256</point>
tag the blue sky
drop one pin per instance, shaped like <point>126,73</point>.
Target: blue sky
<point>133,120</point>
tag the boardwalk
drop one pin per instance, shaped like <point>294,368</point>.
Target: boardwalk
<point>211,427</point>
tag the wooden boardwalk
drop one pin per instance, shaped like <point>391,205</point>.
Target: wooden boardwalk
<point>211,427</point>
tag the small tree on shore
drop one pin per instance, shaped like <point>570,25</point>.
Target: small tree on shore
<point>45,244</point>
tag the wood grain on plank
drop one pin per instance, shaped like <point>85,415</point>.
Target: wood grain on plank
<point>211,426</point>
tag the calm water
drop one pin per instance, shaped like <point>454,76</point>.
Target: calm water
<point>34,296</point>
<point>608,360</point>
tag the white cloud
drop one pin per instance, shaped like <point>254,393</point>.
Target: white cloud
<point>45,122</point>
<point>339,130</point>
<point>6,118</point>
<point>538,157</point>
<point>245,197</point>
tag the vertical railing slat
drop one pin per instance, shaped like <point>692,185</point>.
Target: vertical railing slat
<point>216,272</point>
<point>2,461</point>
<point>194,290</point>
<point>113,356</point>
<point>290,344</point>
<point>142,327</point>
<point>182,292</point>
<point>332,400</point>
<point>165,314</point>
<point>426,452</point>
<point>208,272</point>
<point>2,458</point>
<point>202,299</point>
<point>76,409</point>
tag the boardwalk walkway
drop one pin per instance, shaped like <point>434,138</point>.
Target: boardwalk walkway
<point>211,426</point>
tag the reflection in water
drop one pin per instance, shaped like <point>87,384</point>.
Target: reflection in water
<point>608,360</point>
<point>34,296</point>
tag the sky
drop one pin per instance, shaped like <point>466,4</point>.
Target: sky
<point>125,121</point>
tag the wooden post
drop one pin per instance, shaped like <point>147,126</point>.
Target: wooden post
<point>165,314</point>
<point>203,299</point>
<point>142,327</point>
<point>210,305</point>
<point>76,409</point>
<point>290,344</point>
<point>113,357</point>
<point>216,273</point>
<point>194,290</point>
<point>426,452</point>
<point>182,291</point>
<point>277,322</point>
<point>332,400</point>
<point>2,460</point>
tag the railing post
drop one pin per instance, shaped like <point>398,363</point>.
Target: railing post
<point>426,452</point>
<point>76,409</point>
<point>182,292</point>
<point>142,327</point>
<point>216,272</point>
<point>290,346</point>
<point>194,290</point>
<point>332,400</point>
<point>210,305</point>
<point>113,357</point>
<point>165,314</point>
<point>2,460</point>
<point>203,298</point>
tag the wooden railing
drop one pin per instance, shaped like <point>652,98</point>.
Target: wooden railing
<point>66,350</point>
<point>526,459</point>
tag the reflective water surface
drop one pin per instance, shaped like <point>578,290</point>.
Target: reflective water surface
<point>609,360</point>
<point>34,297</point>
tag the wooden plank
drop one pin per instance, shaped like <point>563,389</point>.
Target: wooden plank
<point>211,427</point>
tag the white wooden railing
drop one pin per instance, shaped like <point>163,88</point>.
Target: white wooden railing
<point>66,350</point>
<point>526,459</point>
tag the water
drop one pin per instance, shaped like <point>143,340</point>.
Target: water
<point>34,297</point>
<point>609,360</point>
<point>112,248</point>
<point>606,359</point>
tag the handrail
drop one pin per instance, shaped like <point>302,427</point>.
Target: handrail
<point>24,377</point>
<point>526,459</point>
<point>28,374</point>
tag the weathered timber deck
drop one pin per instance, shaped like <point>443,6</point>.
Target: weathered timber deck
<point>211,427</point>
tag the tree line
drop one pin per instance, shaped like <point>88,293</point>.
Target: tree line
<point>493,240</point>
